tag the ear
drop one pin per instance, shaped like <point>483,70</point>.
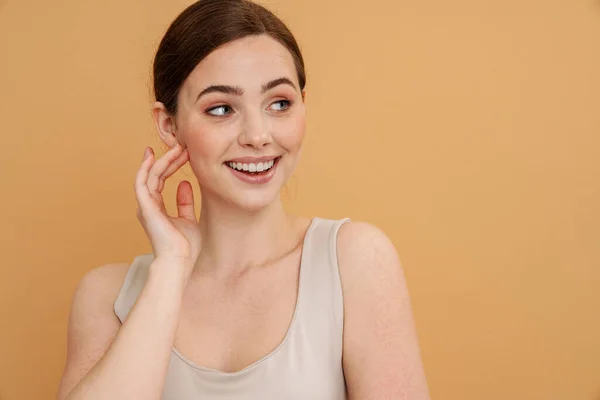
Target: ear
<point>165,125</point>
<point>304,96</point>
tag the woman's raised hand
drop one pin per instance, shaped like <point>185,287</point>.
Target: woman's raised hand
<point>174,239</point>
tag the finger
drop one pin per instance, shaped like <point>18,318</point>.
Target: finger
<point>185,201</point>
<point>160,166</point>
<point>175,165</point>
<point>142,193</point>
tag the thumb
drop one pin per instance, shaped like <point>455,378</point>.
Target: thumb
<point>185,201</point>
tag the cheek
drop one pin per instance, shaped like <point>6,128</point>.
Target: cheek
<point>291,133</point>
<point>203,150</point>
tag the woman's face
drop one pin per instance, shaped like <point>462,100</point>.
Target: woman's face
<point>242,107</point>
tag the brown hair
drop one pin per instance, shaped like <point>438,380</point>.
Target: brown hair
<point>203,27</point>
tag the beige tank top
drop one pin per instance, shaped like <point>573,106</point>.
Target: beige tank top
<point>307,364</point>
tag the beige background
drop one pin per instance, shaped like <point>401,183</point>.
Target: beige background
<point>467,130</point>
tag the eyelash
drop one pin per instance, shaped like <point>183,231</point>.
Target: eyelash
<point>289,103</point>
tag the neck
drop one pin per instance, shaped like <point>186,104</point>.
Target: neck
<point>235,240</point>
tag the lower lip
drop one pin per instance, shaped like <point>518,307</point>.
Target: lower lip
<point>256,179</point>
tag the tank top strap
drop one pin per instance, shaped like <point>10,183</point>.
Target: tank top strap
<point>320,301</point>
<point>132,286</point>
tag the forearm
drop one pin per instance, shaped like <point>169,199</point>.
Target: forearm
<point>135,365</point>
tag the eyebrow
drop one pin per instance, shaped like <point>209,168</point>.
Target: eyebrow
<point>235,90</point>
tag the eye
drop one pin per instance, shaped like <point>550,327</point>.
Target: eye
<point>219,111</point>
<point>281,105</point>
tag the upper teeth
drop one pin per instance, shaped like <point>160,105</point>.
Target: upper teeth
<point>251,167</point>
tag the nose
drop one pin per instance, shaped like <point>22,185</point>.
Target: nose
<point>255,131</point>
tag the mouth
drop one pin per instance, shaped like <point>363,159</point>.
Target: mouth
<point>253,169</point>
<point>254,173</point>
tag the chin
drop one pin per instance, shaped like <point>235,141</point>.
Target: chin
<point>255,202</point>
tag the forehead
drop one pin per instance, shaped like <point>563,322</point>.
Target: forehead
<point>248,63</point>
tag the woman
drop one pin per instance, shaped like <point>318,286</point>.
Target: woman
<point>245,302</point>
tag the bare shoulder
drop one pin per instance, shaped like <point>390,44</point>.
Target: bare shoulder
<point>103,282</point>
<point>94,298</point>
<point>97,291</point>
<point>381,356</point>
<point>364,249</point>
<point>92,322</point>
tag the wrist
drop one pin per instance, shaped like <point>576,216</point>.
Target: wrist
<point>169,270</point>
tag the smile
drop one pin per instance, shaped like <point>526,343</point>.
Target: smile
<point>254,172</point>
<point>252,167</point>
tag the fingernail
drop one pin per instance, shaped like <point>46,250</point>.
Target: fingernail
<point>146,153</point>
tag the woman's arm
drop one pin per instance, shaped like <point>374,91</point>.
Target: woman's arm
<point>134,364</point>
<point>108,361</point>
<point>381,356</point>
